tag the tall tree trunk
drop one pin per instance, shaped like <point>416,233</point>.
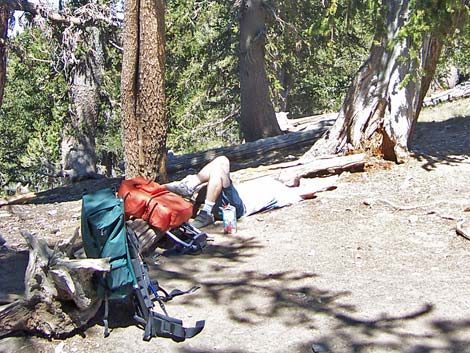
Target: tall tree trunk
<point>144,122</point>
<point>78,142</point>
<point>258,119</point>
<point>384,100</point>
<point>4,16</point>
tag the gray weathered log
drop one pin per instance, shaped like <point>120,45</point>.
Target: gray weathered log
<point>252,150</point>
<point>59,293</point>
<point>460,91</point>
<point>148,236</point>
<point>291,173</point>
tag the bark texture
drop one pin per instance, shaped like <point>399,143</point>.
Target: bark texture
<point>258,119</point>
<point>385,98</point>
<point>4,15</point>
<point>78,143</point>
<point>59,293</point>
<point>143,89</point>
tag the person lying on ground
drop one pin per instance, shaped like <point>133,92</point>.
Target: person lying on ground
<point>249,197</point>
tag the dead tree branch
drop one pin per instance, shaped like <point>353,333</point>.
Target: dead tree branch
<point>460,231</point>
<point>59,296</point>
<point>83,16</point>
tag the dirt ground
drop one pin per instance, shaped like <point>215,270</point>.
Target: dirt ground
<point>373,266</point>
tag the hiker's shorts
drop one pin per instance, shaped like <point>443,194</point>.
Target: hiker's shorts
<point>229,195</point>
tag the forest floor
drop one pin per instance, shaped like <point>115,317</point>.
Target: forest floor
<point>373,266</point>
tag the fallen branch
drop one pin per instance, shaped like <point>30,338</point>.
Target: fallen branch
<point>444,216</point>
<point>460,231</point>
<point>462,90</point>
<point>59,293</point>
<point>248,154</point>
<point>400,207</point>
<point>370,202</point>
<point>19,199</point>
<point>291,173</point>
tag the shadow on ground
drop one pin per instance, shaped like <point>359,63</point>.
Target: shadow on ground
<point>261,153</point>
<point>348,329</point>
<point>434,143</point>
<point>251,298</point>
<point>442,142</point>
<point>292,298</point>
<point>73,191</point>
<point>12,270</point>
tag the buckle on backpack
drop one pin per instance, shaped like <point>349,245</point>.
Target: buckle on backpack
<point>169,327</point>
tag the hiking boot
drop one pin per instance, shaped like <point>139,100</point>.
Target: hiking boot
<point>183,187</point>
<point>202,219</point>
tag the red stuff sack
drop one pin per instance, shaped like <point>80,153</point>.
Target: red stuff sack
<point>152,202</point>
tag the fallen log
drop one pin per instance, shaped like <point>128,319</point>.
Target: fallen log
<point>304,123</point>
<point>59,293</point>
<point>251,151</point>
<point>290,173</point>
<point>18,199</point>
<point>462,90</point>
<point>148,236</point>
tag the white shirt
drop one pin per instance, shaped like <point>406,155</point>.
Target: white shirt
<point>265,193</point>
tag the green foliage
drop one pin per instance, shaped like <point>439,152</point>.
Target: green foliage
<point>108,134</point>
<point>34,105</point>
<point>202,79</point>
<point>456,52</point>
<point>313,50</point>
<point>445,21</point>
<point>456,55</point>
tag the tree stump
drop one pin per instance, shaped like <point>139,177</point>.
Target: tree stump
<point>59,294</point>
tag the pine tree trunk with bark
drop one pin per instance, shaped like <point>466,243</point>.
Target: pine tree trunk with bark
<point>258,119</point>
<point>144,122</point>
<point>383,103</point>
<point>78,155</point>
<point>4,16</point>
<point>78,143</point>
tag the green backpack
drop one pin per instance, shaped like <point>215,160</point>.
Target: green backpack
<point>105,235</point>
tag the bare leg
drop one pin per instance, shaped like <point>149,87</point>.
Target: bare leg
<point>217,175</point>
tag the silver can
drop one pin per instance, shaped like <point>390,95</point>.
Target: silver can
<point>229,219</point>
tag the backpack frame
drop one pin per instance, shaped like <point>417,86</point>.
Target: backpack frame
<point>105,234</point>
